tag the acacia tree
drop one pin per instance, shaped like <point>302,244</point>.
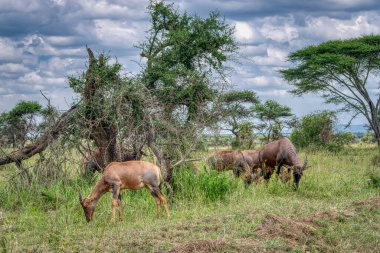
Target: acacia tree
<point>340,71</point>
<point>236,113</point>
<point>274,117</point>
<point>19,123</point>
<point>184,55</point>
<point>109,109</point>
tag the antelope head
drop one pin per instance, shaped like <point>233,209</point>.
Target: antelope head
<point>297,173</point>
<point>88,207</point>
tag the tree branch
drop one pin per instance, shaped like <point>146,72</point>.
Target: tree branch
<point>186,161</point>
<point>42,142</point>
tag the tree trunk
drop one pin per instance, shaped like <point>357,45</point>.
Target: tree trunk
<point>163,159</point>
<point>377,136</point>
<point>42,142</point>
<point>103,133</point>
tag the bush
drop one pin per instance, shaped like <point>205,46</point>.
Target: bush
<point>339,140</point>
<point>368,138</point>
<point>316,131</point>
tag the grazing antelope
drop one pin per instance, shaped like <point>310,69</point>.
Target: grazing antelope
<point>282,153</point>
<point>234,160</point>
<point>252,157</point>
<point>132,175</point>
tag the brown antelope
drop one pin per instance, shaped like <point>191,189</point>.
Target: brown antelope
<point>132,175</point>
<point>234,160</point>
<point>253,160</point>
<point>282,153</point>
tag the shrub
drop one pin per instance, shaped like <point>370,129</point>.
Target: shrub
<point>368,138</point>
<point>316,131</point>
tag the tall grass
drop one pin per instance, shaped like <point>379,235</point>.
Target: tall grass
<point>48,217</point>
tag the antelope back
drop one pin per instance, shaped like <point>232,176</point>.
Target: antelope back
<point>132,174</point>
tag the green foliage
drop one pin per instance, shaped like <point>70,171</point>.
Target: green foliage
<point>220,140</point>
<point>339,72</point>
<point>182,51</point>
<point>245,137</point>
<point>215,185</point>
<point>274,117</point>
<point>19,124</point>
<point>368,138</point>
<point>322,62</point>
<point>237,98</point>
<point>111,106</point>
<point>236,115</point>
<point>340,140</point>
<point>272,110</point>
<point>102,84</point>
<point>204,186</point>
<point>22,108</point>
<point>316,131</point>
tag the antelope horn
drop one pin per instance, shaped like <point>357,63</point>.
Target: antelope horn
<point>80,197</point>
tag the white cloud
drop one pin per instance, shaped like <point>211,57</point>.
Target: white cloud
<point>274,57</point>
<point>62,67</point>
<point>36,81</point>
<point>264,81</point>
<point>19,5</point>
<point>39,45</point>
<point>244,32</point>
<point>13,68</point>
<point>279,29</point>
<point>8,51</point>
<point>60,40</point>
<point>117,34</point>
<point>105,9</point>
<point>330,28</point>
<point>253,50</point>
<point>273,94</point>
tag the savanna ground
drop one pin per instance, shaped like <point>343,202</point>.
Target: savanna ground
<point>336,209</point>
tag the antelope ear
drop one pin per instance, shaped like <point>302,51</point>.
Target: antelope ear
<point>308,166</point>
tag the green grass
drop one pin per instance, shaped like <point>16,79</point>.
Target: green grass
<point>211,212</point>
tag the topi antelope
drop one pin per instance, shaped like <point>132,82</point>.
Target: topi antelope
<point>132,175</point>
<point>282,153</point>
<point>252,157</point>
<point>235,160</point>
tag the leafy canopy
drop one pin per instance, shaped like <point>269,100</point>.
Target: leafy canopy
<point>340,71</point>
<point>272,110</point>
<point>236,115</point>
<point>182,53</point>
<point>274,117</point>
<point>316,130</point>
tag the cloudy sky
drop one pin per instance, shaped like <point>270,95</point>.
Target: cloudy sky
<point>42,42</point>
